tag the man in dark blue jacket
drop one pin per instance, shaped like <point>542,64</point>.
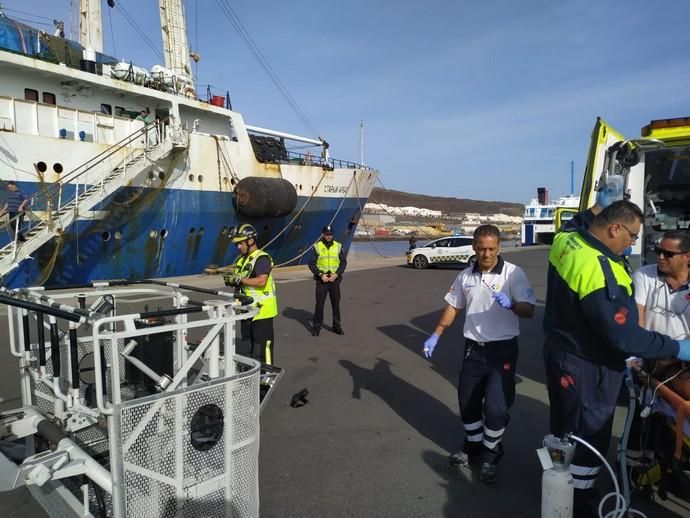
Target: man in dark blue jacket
<point>591,326</point>
<point>15,207</point>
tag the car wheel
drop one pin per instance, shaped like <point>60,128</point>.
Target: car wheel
<point>420,262</point>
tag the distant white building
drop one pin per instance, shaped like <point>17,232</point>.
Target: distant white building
<point>382,208</point>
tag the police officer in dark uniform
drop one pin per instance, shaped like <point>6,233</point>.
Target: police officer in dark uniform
<point>327,263</point>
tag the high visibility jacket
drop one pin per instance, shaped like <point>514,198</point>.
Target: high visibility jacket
<point>328,258</point>
<point>264,296</point>
<point>590,309</point>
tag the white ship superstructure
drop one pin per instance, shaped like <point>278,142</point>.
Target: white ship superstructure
<point>538,225</point>
<point>117,193</point>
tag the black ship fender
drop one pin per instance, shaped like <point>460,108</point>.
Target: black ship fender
<point>256,197</point>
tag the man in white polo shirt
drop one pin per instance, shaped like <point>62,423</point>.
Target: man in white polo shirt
<point>662,293</point>
<point>494,294</point>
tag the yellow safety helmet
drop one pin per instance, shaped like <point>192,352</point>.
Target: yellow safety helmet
<point>244,232</point>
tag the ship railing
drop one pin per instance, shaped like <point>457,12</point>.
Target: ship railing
<point>54,196</point>
<point>308,159</point>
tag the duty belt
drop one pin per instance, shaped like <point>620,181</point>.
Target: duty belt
<point>469,341</point>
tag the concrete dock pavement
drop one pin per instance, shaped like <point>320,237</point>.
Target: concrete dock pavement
<point>381,420</point>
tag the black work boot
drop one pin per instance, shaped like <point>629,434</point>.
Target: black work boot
<point>315,331</point>
<point>488,472</point>
<point>338,330</point>
<point>471,452</point>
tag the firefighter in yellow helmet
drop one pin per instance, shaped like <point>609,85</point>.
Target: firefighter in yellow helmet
<point>252,276</point>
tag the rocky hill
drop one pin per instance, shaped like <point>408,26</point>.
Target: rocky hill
<point>446,205</point>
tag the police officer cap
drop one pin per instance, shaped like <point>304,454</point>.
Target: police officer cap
<point>327,229</point>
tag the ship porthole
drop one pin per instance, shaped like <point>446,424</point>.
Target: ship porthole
<point>161,175</point>
<point>200,178</point>
<point>164,233</point>
<point>201,231</point>
<point>191,177</point>
<point>106,236</point>
<point>153,234</point>
<point>42,167</point>
<point>191,231</point>
<point>118,234</point>
<point>151,175</point>
<point>57,167</point>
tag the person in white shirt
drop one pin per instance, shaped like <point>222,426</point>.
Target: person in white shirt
<point>494,294</point>
<point>662,294</point>
<point>662,290</point>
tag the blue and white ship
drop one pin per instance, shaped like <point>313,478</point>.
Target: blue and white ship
<point>539,222</point>
<point>115,194</point>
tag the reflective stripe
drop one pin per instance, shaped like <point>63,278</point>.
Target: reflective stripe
<point>473,426</point>
<point>475,438</point>
<point>493,433</point>
<point>584,471</point>
<point>267,351</point>
<point>491,444</point>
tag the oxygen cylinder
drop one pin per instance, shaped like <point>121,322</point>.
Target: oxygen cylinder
<point>557,494</point>
<point>557,488</point>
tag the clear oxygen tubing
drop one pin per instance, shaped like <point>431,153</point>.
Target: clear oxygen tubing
<point>621,507</point>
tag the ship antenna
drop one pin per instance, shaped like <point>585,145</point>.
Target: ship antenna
<point>361,142</point>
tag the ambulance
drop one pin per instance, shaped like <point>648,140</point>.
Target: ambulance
<point>655,172</point>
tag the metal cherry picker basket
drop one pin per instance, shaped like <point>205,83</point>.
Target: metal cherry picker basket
<point>128,413</point>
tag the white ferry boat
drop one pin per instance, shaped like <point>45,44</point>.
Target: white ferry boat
<point>538,225</point>
<point>115,196</point>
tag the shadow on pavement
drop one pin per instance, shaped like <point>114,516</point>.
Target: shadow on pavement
<point>300,315</point>
<point>422,411</point>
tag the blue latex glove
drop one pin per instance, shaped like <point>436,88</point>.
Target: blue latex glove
<point>502,299</point>
<point>430,345</point>
<point>684,351</point>
<point>612,191</point>
<point>627,252</point>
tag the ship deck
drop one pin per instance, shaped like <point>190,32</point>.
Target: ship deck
<point>381,420</point>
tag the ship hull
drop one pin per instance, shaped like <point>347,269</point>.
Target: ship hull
<point>145,233</point>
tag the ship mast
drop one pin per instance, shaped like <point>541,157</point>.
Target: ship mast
<point>90,27</point>
<point>175,45</point>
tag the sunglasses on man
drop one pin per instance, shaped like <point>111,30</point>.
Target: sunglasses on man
<point>666,253</point>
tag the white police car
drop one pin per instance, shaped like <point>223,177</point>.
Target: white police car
<point>446,250</point>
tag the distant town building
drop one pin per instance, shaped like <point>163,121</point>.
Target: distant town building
<point>382,208</point>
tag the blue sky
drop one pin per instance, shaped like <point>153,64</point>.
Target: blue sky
<point>482,100</point>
